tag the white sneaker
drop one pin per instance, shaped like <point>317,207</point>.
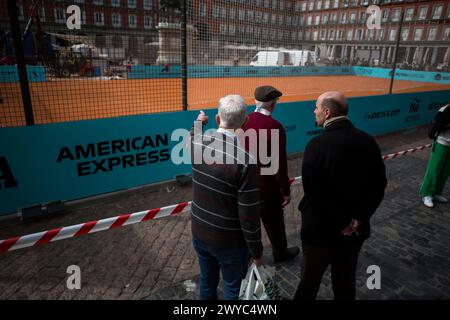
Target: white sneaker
<point>428,201</point>
<point>440,199</point>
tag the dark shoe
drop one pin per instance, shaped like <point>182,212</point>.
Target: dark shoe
<point>291,253</point>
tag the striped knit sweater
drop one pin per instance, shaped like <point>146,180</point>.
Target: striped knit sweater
<point>225,205</point>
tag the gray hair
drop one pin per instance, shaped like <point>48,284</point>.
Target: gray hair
<point>264,105</point>
<point>232,111</point>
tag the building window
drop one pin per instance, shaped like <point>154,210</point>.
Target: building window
<point>359,34</point>
<point>396,15</point>
<point>308,20</point>
<point>317,20</point>
<point>326,4</point>
<point>323,35</point>
<point>202,9</point>
<point>99,19</point>
<point>418,34</point>
<point>343,17</point>
<point>60,15</point>
<point>350,34</point>
<point>325,18</point>
<point>392,34</point>
<point>437,11</point>
<point>250,15</point>
<point>147,4</point>
<point>147,22</point>
<point>132,21</point>
<point>447,34</point>
<point>21,16</point>
<point>281,5</point>
<point>266,4</point>
<point>231,29</point>
<point>423,13</point>
<point>215,11</point>
<point>223,29</point>
<point>223,12</point>
<point>258,16</point>
<point>362,17</point>
<point>405,34</point>
<point>241,14</point>
<point>331,34</point>
<point>381,34</point>
<point>116,20</point>
<point>115,3</point>
<point>409,14</point>
<point>266,17</point>
<point>274,4</point>
<point>303,6</point>
<point>319,5</point>
<point>232,13</point>
<point>352,17</point>
<point>333,17</point>
<point>132,4</point>
<point>42,14</point>
<point>336,4</point>
<point>432,33</point>
<point>385,15</point>
<point>98,2</point>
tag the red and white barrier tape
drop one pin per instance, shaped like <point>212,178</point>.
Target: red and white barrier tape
<point>123,220</point>
<point>91,227</point>
<point>402,153</point>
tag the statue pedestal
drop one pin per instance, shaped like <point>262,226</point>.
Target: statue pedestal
<point>170,43</point>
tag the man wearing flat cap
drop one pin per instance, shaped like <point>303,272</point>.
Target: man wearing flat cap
<point>275,192</point>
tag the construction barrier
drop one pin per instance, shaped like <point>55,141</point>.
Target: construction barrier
<point>74,231</point>
<point>74,160</point>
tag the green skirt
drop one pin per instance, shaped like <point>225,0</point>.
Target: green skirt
<point>438,171</point>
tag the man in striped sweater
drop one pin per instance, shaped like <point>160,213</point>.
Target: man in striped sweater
<point>225,206</point>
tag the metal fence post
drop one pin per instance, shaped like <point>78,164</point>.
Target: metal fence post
<point>184,55</point>
<point>396,50</point>
<point>20,61</point>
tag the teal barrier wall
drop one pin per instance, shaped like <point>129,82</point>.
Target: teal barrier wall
<point>10,74</point>
<point>149,72</point>
<point>421,76</point>
<point>67,161</point>
<point>155,72</point>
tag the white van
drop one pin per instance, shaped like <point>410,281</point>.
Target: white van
<point>284,58</point>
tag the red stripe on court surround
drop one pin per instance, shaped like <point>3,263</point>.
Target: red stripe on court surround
<point>151,214</point>
<point>120,220</point>
<point>85,228</point>
<point>7,244</point>
<point>291,180</point>
<point>48,236</point>
<point>179,208</point>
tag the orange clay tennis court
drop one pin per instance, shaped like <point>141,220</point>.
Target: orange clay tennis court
<point>70,100</point>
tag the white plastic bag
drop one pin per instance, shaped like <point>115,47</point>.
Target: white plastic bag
<point>258,285</point>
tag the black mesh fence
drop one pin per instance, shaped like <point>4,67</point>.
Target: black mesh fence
<point>126,56</point>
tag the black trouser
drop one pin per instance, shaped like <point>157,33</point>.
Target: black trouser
<point>315,261</point>
<point>272,217</point>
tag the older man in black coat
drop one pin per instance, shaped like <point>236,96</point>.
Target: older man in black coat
<point>344,180</point>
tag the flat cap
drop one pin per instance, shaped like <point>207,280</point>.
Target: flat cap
<point>267,93</point>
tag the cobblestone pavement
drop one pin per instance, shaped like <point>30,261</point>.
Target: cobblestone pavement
<point>152,260</point>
